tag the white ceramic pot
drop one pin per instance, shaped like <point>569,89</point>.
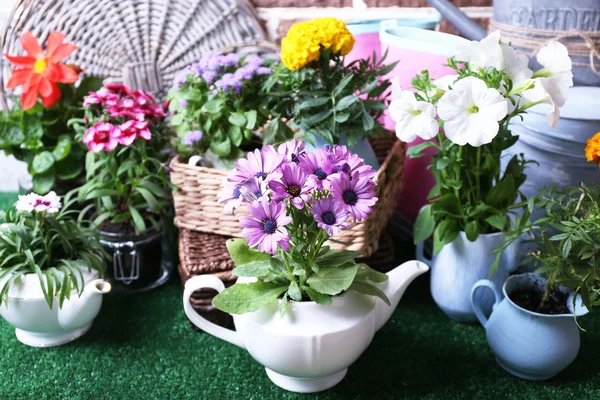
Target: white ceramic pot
<point>311,347</point>
<point>39,326</point>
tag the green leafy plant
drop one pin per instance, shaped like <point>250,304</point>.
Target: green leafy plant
<point>566,238</point>
<point>43,139</point>
<point>38,237</point>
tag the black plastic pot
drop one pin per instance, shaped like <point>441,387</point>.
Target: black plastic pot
<point>136,263</point>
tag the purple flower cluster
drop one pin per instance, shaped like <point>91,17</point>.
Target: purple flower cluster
<point>192,137</point>
<point>332,185</point>
<point>226,72</point>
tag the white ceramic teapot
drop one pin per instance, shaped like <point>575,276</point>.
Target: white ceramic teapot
<point>310,348</point>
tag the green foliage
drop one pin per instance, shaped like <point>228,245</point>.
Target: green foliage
<point>307,272</point>
<point>53,246</point>
<point>472,193</point>
<point>328,99</point>
<point>43,138</point>
<point>566,237</point>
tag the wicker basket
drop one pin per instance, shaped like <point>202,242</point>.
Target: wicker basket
<point>197,207</point>
<point>142,43</point>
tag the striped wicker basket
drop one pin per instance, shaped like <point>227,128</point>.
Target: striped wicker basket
<point>142,43</point>
<point>197,207</point>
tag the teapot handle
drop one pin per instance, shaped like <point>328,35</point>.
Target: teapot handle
<point>212,282</point>
<point>476,307</point>
<point>421,254</point>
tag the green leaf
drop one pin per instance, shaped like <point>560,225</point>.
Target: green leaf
<point>346,102</point>
<point>242,254</point>
<point>62,148</point>
<point>32,126</point>
<point>251,119</point>
<point>245,298</point>
<point>368,122</point>
<point>42,183</point>
<point>294,291</point>
<point>87,85</point>
<point>283,306</point>
<point>149,197</point>
<point>335,258</point>
<point>138,221</point>
<point>235,135</point>
<point>317,297</point>
<point>42,162</point>
<point>316,118</point>
<point>177,119</point>
<point>366,273</point>
<point>370,289</point>
<point>504,190</point>
<point>418,150</point>
<point>333,281</point>
<point>258,269</point>
<point>221,148</point>
<point>472,231</point>
<point>237,119</point>
<point>498,221</point>
<point>342,117</point>
<point>424,225</point>
<point>313,102</point>
<point>342,85</point>
<point>10,134</point>
<point>69,168</point>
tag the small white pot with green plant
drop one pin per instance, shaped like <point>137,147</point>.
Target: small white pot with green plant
<point>465,117</point>
<point>50,272</point>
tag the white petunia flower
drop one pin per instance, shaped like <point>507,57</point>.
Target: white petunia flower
<point>413,118</point>
<point>516,65</point>
<point>554,57</point>
<point>471,112</point>
<point>483,54</point>
<point>34,202</point>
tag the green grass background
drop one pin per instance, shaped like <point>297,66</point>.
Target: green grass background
<point>143,347</point>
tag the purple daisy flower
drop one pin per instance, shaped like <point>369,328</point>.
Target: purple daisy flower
<point>292,150</point>
<point>330,215</point>
<point>192,137</point>
<point>258,164</point>
<point>345,161</point>
<point>356,193</point>
<point>266,227</point>
<point>234,194</point>
<point>292,185</point>
<point>317,167</point>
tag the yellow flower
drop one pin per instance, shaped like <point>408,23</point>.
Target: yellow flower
<point>592,150</point>
<point>304,41</point>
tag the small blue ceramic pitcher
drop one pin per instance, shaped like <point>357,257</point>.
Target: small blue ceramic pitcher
<point>527,344</point>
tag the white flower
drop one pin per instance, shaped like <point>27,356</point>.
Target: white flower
<point>413,118</point>
<point>445,82</point>
<point>545,91</point>
<point>34,202</point>
<point>484,54</point>
<point>516,65</point>
<point>471,112</point>
<point>554,57</point>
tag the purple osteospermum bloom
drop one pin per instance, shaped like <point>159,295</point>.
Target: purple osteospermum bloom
<point>258,164</point>
<point>292,150</point>
<point>234,194</point>
<point>317,167</point>
<point>192,137</point>
<point>292,185</point>
<point>330,215</point>
<point>344,160</point>
<point>266,227</point>
<point>356,193</point>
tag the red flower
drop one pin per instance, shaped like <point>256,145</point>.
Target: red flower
<point>39,73</point>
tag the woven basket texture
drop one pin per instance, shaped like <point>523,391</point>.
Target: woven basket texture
<point>142,43</point>
<point>205,253</point>
<point>197,207</point>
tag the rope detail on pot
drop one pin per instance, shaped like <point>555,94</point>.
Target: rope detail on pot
<point>530,40</point>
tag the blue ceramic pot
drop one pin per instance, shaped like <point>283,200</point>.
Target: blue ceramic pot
<point>461,263</point>
<point>528,344</point>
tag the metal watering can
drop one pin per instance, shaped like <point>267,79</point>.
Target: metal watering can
<point>527,24</point>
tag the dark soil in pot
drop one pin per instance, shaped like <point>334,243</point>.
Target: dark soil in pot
<point>139,258</point>
<point>531,299</point>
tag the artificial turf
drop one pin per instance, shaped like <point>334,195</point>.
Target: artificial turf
<point>143,347</point>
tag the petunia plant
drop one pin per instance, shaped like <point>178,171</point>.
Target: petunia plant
<point>321,94</point>
<point>39,236</point>
<point>296,201</point>
<point>465,117</point>
<point>38,132</point>
<point>127,182</point>
<point>218,110</point>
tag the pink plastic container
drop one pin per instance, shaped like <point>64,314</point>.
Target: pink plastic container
<point>416,50</point>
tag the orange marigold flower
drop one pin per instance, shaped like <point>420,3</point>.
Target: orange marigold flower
<point>592,150</point>
<point>39,73</point>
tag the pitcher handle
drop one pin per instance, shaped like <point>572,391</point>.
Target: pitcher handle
<point>421,254</point>
<point>212,282</point>
<point>476,307</point>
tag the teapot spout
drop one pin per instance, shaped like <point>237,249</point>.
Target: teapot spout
<point>77,312</point>
<point>398,280</point>
<point>463,24</point>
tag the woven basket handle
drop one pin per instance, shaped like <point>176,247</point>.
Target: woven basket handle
<point>212,282</point>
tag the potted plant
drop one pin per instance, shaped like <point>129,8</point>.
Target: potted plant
<point>533,332</point>
<point>328,100</point>
<point>38,132</point>
<point>127,182</point>
<point>303,310</point>
<point>465,118</point>
<point>50,271</point>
